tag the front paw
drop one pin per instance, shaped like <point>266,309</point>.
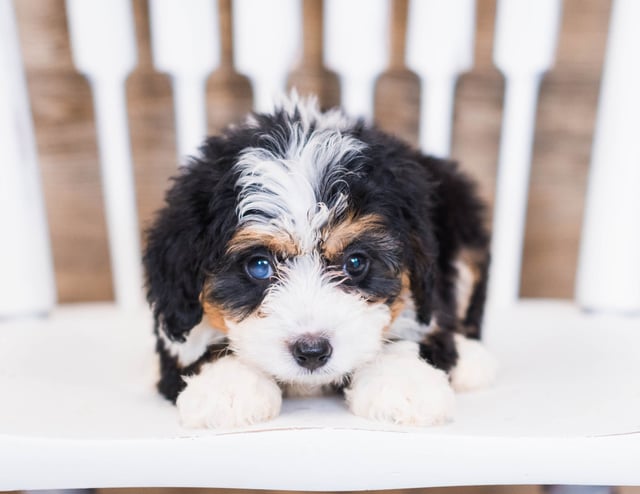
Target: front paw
<point>228,393</point>
<point>399,387</point>
<point>476,367</point>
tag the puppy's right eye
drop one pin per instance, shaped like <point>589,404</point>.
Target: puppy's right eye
<point>356,266</point>
<point>259,268</point>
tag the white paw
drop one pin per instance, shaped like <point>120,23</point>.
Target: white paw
<point>401,388</point>
<point>228,393</point>
<point>476,367</point>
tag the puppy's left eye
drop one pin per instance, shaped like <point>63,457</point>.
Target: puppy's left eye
<point>356,266</point>
<point>259,268</point>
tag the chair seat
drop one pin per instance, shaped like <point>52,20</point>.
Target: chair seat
<point>79,409</point>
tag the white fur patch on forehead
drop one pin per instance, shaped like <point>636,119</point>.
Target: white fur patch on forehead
<point>281,184</point>
<point>306,110</point>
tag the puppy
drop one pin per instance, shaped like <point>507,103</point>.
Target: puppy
<point>304,252</point>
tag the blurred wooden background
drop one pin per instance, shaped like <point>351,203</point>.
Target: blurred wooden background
<point>65,131</point>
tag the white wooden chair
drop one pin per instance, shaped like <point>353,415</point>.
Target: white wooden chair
<point>77,404</point>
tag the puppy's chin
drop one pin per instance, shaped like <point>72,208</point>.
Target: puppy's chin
<point>313,385</point>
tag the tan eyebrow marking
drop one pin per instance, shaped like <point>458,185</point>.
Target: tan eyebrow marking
<point>337,237</point>
<point>278,242</point>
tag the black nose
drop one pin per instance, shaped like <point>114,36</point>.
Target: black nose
<point>311,352</point>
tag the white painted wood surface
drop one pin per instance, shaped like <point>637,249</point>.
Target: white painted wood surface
<point>440,43</point>
<point>25,252</point>
<point>185,42</point>
<point>609,266</point>
<point>524,48</point>
<point>267,41</point>
<point>103,49</point>
<point>81,411</point>
<point>356,46</point>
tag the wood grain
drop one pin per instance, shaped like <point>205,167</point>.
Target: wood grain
<point>63,115</point>
<point>65,132</point>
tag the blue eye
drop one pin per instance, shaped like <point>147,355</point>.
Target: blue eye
<point>356,266</point>
<point>259,268</point>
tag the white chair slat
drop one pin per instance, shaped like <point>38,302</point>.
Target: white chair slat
<point>185,43</point>
<point>267,41</point>
<point>27,282</point>
<point>609,266</point>
<point>103,49</point>
<point>440,38</point>
<point>356,46</point>
<point>526,36</point>
<point>525,41</point>
<point>102,38</point>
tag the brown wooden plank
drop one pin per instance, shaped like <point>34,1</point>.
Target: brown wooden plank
<point>63,116</point>
<point>566,118</point>
<point>151,124</point>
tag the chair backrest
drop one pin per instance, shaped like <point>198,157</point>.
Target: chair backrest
<point>267,42</point>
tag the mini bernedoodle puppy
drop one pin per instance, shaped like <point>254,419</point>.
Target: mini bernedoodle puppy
<point>304,252</point>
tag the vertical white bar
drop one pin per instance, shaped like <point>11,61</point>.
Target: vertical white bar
<point>357,95</point>
<point>512,188</point>
<point>267,41</point>
<point>609,265</point>
<point>118,189</point>
<point>525,42</point>
<point>26,280</point>
<point>440,38</point>
<point>356,46</point>
<point>185,43</point>
<point>190,106</point>
<point>437,102</point>
<point>103,49</point>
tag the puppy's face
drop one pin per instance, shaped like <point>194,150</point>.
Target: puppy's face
<point>301,235</point>
<point>312,274</point>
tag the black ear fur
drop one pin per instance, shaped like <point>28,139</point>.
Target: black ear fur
<point>437,211</point>
<point>400,184</point>
<point>173,276</point>
<point>422,278</point>
<point>457,221</point>
<point>187,237</point>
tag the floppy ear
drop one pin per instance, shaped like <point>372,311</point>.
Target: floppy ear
<point>173,273</point>
<point>456,222</point>
<point>403,188</point>
<point>413,200</point>
<point>422,275</point>
<point>185,240</point>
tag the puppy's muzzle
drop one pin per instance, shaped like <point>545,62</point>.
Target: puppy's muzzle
<point>311,352</point>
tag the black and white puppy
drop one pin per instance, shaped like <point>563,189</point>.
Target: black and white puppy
<point>305,251</point>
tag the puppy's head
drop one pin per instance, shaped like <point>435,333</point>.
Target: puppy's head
<point>302,235</point>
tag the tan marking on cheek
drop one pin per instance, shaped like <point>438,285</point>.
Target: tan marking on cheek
<point>278,242</point>
<point>213,313</point>
<point>215,316</point>
<point>337,237</point>
<point>398,305</point>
